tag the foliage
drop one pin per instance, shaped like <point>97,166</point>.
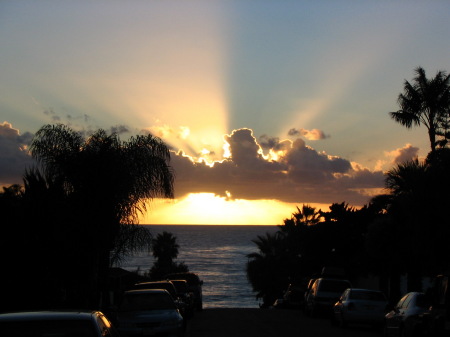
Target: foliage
<point>426,102</point>
<point>82,201</point>
<point>165,250</point>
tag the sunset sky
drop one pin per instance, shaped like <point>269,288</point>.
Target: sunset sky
<point>266,105</point>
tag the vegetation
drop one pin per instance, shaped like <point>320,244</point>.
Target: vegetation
<point>165,250</point>
<point>78,207</point>
<point>403,232</point>
<point>426,102</point>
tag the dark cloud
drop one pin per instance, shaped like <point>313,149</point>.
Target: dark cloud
<point>297,174</point>
<point>291,171</point>
<point>14,157</point>
<point>267,142</point>
<point>314,134</point>
<point>119,129</point>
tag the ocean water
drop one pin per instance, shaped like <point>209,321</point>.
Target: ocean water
<point>218,254</point>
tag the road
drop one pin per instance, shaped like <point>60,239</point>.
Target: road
<point>267,323</point>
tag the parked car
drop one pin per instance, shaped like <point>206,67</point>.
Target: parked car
<point>293,297</point>
<point>56,323</point>
<point>360,306</point>
<point>324,293</point>
<point>166,285</point>
<point>194,284</point>
<point>149,312</point>
<point>185,295</point>
<point>437,320</point>
<point>406,318</point>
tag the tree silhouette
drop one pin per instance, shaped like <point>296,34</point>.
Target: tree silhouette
<point>102,184</point>
<point>426,102</point>
<point>165,250</point>
<point>267,270</point>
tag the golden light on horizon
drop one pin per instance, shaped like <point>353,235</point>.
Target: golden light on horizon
<point>210,209</point>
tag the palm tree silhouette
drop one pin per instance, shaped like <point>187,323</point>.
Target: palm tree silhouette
<point>105,184</point>
<point>165,247</point>
<point>426,101</point>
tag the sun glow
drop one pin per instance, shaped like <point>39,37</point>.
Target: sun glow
<point>210,209</point>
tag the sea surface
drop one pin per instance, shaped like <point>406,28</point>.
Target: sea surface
<point>218,254</point>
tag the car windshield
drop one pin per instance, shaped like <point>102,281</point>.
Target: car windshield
<point>47,328</point>
<point>333,286</point>
<point>147,301</point>
<point>367,295</point>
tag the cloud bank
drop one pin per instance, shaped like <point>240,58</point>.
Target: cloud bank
<point>264,169</point>
<point>283,170</point>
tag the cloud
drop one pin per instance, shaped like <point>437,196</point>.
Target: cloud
<point>297,173</point>
<point>166,132</point>
<point>398,156</point>
<point>268,169</point>
<point>14,157</point>
<point>314,134</point>
<point>119,129</point>
<point>402,155</point>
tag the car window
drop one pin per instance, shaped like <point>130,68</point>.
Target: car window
<point>367,295</point>
<point>408,301</point>
<point>404,301</point>
<point>333,286</point>
<point>345,295</point>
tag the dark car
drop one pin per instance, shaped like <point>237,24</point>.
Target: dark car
<point>360,306</point>
<point>437,320</point>
<point>194,284</point>
<point>185,295</point>
<point>406,318</point>
<point>149,312</point>
<point>293,297</point>
<point>166,285</point>
<point>324,293</point>
<point>56,323</point>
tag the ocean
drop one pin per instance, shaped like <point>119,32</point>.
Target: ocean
<point>218,254</point>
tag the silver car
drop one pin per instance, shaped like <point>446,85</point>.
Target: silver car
<point>56,323</point>
<point>360,306</point>
<point>149,312</point>
<point>406,318</point>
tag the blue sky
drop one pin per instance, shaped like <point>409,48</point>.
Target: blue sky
<point>289,98</point>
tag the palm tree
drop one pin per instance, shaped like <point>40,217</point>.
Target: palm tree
<point>105,184</point>
<point>267,270</point>
<point>165,250</point>
<point>165,247</point>
<point>426,101</point>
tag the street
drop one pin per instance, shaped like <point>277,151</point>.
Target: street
<point>267,323</point>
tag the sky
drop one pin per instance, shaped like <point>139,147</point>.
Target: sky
<point>266,105</point>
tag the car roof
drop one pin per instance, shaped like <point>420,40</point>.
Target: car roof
<point>48,315</point>
<point>147,291</point>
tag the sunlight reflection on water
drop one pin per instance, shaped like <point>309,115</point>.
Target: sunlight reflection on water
<point>218,254</point>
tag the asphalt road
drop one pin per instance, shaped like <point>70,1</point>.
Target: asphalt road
<point>267,323</point>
